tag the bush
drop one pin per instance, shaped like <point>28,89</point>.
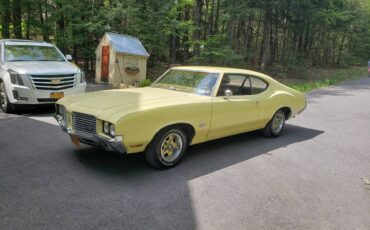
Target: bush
<point>145,83</point>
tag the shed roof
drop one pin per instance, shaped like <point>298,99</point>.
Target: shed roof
<point>126,44</point>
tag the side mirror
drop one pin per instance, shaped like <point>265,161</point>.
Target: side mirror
<point>228,93</point>
<point>69,57</point>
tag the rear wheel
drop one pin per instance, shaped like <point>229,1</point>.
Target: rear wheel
<point>167,148</point>
<point>275,127</point>
<point>5,105</point>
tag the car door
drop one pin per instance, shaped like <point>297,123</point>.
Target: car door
<point>235,109</point>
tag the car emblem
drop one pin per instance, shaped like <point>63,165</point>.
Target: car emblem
<point>56,81</point>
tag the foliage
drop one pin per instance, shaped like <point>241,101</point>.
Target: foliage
<point>145,83</point>
<point>132,69</point>
<point>263,33</point>
<point>216,51</point>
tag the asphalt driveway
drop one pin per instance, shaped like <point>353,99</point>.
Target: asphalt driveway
<point>310,178</point>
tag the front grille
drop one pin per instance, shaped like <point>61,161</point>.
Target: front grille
<point>84,123</point>
<point>44,100</point>
<point>53,82</point>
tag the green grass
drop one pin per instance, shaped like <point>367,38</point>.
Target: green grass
<point>317,78</point>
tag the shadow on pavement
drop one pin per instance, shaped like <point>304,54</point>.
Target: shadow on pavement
<point>200,159</point>
<point>168,190</point>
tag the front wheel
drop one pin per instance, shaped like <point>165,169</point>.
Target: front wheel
<point>167,148</point>
<point>275,127</point>
<point>5,105</point>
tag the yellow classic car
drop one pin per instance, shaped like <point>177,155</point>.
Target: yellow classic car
<point>185,106</point>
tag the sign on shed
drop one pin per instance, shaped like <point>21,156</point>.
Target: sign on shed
<point>120,59</point>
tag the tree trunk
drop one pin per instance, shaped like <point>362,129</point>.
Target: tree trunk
<point>215,28</point>
<point>198,23</point>
<point>6,18</point>
<point>28,22</point>
<point>173,48</point>
<point>17,19</point>
<point>265,49</point>
<point>60,28</point>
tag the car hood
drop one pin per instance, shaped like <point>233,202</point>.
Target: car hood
<point>111,105</point>
<point>40,67</point>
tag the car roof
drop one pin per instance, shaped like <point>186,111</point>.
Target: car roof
<point>220,70</point>
<point>25,42</point>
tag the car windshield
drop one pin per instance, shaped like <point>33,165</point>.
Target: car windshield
<point>32,53</point>
<point>201,83</point>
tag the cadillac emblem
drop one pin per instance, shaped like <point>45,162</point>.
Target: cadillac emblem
<point>56,81</point>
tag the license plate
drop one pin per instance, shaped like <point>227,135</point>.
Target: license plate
<point>56,95</point>
<point>75,140</point>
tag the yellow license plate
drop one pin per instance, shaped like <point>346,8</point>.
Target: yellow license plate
<point>56,95</point>
<point>75,140</point>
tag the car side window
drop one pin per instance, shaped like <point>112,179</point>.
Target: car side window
<point>235,85</point>
<point>258,85</point>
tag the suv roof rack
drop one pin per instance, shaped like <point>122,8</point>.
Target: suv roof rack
<point>22,40</point>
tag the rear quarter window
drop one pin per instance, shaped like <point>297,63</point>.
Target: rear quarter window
<point>258,85</point>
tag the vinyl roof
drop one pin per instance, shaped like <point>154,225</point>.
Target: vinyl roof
<point>127,44</point>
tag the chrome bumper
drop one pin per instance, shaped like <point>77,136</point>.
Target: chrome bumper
<point>109,144</point>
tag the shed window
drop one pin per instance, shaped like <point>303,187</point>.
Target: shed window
<point>131,62</point>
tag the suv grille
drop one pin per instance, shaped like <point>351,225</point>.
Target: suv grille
<point>84,123</point>
<point>53,82</point>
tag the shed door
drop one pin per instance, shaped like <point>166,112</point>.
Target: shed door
<point>105,64</point>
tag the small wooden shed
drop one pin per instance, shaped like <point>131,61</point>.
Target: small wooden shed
<point>120,59</point>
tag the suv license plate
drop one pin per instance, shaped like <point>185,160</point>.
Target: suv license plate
<point>56,95</point>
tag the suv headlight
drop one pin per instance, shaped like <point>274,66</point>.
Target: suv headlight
<point>82,77</point>
<point>109,129</point>
<point>15,77</point>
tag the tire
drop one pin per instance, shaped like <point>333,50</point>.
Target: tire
<point>167,148</point>
<point>276,125</point>
<point>5,105</point>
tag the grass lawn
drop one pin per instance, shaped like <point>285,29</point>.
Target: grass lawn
<point>314,78</point>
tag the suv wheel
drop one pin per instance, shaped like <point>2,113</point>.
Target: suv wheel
<point>5,105</point>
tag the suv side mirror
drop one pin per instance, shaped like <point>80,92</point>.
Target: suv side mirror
<point>69,57</point>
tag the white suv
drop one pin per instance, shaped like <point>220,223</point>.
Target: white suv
<point>34,73</point>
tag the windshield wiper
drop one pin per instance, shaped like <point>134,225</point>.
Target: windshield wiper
<point>176,89</point>
<point>48,60</point>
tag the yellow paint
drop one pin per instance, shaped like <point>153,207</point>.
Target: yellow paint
<point>139,113</point>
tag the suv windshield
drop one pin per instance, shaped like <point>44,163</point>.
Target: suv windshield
<point>200,83</point>
<point>32,53</point>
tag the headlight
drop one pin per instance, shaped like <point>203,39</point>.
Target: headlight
<point>61,112</point>
<point>106,127</point>
<point>109,129</point>
<point>82,77</point>
<point>112,130</point>
<point>15,77</point>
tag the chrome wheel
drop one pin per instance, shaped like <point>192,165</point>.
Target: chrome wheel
<point>278,122</point>
<point>3,97</point>
<point>171,147</point>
